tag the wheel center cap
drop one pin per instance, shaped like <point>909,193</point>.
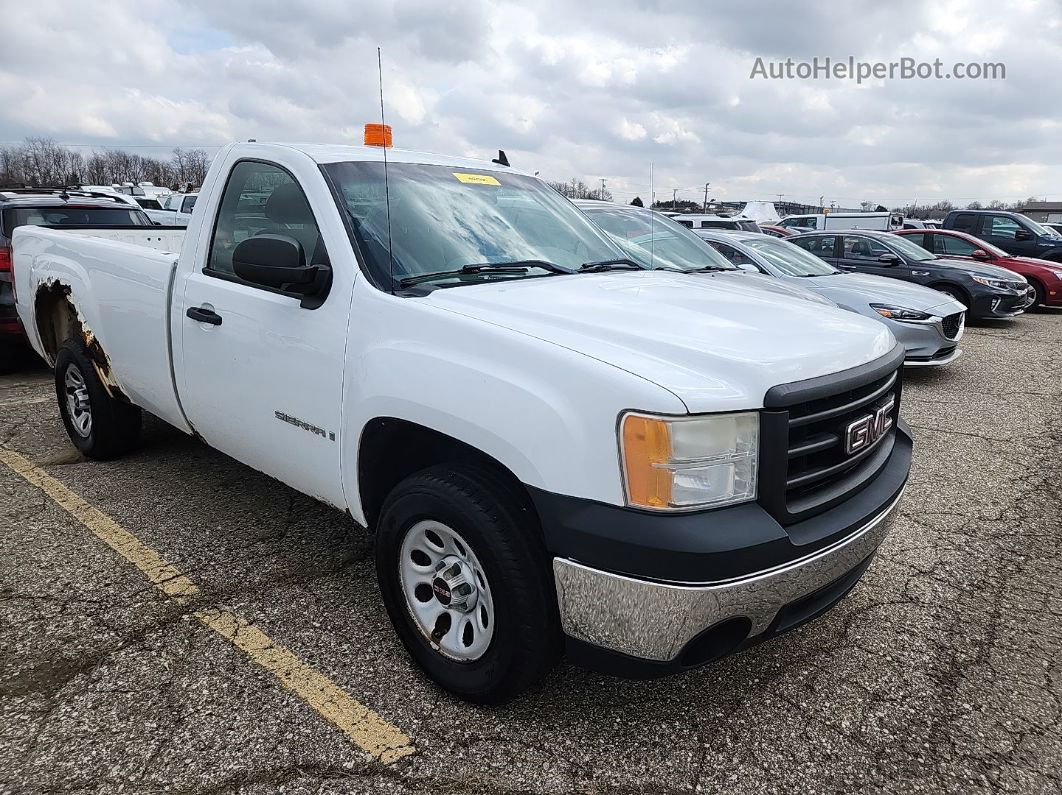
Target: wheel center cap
<point>454,585</point>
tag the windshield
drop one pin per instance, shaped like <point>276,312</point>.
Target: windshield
<point>907,248</point>
<point>74,216</point>
<point>655,241</point>
<point>1040,229</point>
<point>444,218</point>
<point>789,259</point>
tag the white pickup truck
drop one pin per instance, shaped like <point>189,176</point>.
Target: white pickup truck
<point>555,449</point>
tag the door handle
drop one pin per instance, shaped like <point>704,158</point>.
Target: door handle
<point>204,315</point>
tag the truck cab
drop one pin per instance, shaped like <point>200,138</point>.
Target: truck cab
<point>1015,233</point>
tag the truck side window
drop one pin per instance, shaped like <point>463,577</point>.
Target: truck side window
<point>1001,226</point>
<point>261,198</point>
<point>965,222</point>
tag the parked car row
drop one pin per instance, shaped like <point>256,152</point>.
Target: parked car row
<point>987,291</point>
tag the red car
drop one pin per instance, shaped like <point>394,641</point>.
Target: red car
<point>1044,276</point>
<point>776,231</point>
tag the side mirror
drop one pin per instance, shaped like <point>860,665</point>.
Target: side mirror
<point>1023,234</point>
<point>979,253</point>
<point>747,266</point>
<point>279,263</point>
<point>889,259</point>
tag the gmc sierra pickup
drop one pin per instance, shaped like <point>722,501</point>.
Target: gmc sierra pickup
<point>554,448</point>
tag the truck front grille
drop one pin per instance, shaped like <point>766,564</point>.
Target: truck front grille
<point>817,454</point>
<point>819,451</point>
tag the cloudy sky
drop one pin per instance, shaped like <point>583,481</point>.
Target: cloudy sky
<point>591,89</point>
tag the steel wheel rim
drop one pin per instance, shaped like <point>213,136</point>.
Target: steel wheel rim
<point>78,407</point>
<point>456,633</point>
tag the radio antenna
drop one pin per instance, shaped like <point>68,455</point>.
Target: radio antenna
<point>652,230</point>
<point>387,189</point>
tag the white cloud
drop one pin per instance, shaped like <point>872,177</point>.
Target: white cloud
<point>588,90</point>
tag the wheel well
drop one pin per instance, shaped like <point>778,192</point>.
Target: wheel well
<point>954,288</point>
<point>58,320</point>
<point>392,449</point>
<point>56,317</point>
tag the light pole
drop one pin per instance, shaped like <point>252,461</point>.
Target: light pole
<point>706,184</point>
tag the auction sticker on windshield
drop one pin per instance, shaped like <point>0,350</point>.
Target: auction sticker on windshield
<point>476,179</point>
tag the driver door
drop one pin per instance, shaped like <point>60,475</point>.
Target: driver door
<point>261,376</point>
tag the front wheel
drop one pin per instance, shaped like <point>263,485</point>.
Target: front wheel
<point>1041,295</point>
<point>466,582</point>
<point>100,426</point>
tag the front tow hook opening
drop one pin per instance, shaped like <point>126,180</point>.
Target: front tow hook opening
<point>715,642</point>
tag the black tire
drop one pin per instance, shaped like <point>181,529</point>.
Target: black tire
<point>1041,294</point>
<point>955,292</point>
<point>489,513</point>
<point>114,425</point>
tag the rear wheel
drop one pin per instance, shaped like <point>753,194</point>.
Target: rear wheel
<point>466,582</point>
<point>98,425</point>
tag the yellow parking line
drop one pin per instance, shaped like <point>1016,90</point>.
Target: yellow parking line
<point>366,729</point>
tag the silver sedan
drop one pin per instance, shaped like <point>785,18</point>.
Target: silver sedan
<point>928,323</point>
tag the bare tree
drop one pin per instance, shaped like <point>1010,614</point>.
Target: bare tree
<point>577,189</point>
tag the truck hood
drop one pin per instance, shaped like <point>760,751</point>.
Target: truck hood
<point>718,344</point>
<point>843,287</point>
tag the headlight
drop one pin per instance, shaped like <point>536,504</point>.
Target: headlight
<point>899,312</point>
<point>676,463</point>
<point>997,284</point>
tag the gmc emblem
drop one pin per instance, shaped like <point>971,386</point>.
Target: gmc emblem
<point>865,432</point>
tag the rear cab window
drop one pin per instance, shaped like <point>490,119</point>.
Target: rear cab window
<point>965,222</point>
<point>14,217</point>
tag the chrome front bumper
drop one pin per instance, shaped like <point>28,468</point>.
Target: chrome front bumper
<point>655,621</point>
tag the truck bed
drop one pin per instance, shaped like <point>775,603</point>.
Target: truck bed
<point>118,282</point>
<point>160,238</point>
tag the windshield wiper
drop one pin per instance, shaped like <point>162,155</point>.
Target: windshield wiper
<point>519,266</point>
<point>622,264</point>
<point>708,269</point>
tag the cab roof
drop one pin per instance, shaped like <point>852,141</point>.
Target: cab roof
<point>334,153</point>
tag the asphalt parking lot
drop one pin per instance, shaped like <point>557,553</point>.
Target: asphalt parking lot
<point>941,672</point>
